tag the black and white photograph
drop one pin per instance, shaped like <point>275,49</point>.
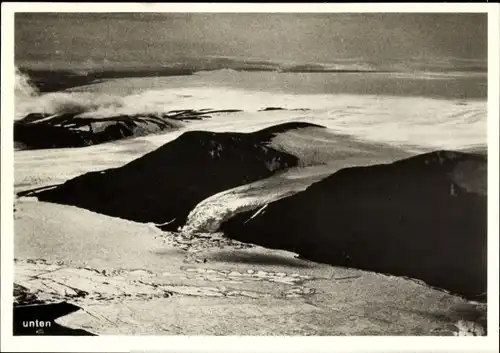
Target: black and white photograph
<point>252,173</point>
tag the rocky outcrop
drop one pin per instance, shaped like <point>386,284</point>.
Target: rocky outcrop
<point>33,316</point>
<point>268,109</point>
<point>423,217</point>
<point>165,185</point>
<point>40,131</point>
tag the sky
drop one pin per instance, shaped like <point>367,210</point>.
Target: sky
<point>158,38</point>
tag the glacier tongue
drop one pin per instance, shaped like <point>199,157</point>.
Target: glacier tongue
<point>210,213</point>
